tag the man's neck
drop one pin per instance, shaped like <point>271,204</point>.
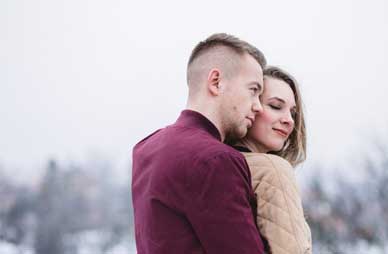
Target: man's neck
<point>211,116</point>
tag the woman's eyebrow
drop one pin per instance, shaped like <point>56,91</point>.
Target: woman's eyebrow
<point>281,100</point>
<point>277,98</point>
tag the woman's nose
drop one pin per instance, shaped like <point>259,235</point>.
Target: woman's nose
<point>287,119</point>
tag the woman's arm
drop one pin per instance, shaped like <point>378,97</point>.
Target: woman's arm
<point>280,215</point>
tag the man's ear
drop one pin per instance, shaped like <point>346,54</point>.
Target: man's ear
<point>213,81</point>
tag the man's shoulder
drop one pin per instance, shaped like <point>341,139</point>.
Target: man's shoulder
<point>190,143</point>
<point>223,151</point>
<point>202,145</point>
<point>148,136</point>
<point>144,142</point>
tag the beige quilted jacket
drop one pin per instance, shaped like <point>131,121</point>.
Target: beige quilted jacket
<point>279,207</point>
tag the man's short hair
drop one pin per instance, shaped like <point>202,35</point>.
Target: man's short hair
<point>222,49</point>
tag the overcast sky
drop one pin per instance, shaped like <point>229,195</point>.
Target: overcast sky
<point>82,79</point>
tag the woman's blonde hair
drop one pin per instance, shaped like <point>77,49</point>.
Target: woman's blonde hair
<point>294,149</point>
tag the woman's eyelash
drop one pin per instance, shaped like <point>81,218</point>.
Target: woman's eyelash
<point>274,107</point>
<point>293,113</point>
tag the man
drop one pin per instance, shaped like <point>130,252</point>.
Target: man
<point>192,193</point>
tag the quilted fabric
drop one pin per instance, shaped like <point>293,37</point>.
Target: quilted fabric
<point>279,207</point>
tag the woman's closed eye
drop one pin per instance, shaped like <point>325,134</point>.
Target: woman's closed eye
<point>275,107</point>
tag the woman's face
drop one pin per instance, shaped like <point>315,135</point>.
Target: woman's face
<point>274,124</point>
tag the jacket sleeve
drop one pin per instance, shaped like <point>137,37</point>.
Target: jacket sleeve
<point>220,212</point>
<point>280,215</point>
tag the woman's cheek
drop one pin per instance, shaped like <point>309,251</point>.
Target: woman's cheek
<point>267,116</point>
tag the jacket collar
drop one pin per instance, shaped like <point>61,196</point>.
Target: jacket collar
<point>195,119</point>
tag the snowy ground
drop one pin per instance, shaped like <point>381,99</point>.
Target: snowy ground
<point>124,248</point>
<point>89,247</point>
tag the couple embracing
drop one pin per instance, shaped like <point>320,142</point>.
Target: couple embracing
<point>220,179</point>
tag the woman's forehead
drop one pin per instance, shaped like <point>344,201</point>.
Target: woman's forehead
<point>277,89</point>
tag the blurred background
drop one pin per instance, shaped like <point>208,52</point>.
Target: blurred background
<point>82,81</point>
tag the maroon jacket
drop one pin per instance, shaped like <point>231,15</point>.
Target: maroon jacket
<point>192,193</point>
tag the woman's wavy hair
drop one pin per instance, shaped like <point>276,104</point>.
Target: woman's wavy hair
<point>294,149</point>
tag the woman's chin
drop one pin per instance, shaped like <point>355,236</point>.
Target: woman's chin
<point>276,148</point>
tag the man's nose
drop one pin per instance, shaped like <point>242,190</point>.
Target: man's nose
<point>257,107</point>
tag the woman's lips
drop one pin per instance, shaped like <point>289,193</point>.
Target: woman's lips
<point>281,132</point>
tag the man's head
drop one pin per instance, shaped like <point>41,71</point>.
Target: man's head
<point>225,79</point>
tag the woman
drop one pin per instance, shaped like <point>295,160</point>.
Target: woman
<point>275,144</point>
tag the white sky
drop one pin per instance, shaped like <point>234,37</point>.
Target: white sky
<point>80,79</point>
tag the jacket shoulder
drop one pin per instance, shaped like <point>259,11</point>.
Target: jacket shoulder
<point>147,137</point>
<point>267,162</point>
<point>271,169</point>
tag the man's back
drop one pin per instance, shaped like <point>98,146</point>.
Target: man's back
<point>191,193</point>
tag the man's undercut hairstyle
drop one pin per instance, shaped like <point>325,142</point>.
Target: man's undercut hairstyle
<point>222,51</point>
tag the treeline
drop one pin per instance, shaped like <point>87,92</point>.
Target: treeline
<point>73,204</point>
<point>69,205</point>
<point>348,215</point>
